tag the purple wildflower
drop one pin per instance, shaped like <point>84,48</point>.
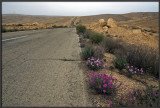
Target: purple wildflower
<point>154,92</point>
<point>105,85</point>
<point>110,102</point>
<point>104,91</point>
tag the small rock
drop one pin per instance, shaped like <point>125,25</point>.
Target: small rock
<point>105,28</point>
<point>136,31</point>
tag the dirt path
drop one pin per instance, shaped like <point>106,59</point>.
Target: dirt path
<point>72,23</point>
<point>43,70</point>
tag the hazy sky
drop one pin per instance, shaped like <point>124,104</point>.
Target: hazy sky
<point>77,8</point>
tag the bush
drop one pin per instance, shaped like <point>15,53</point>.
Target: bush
<point>81,39</point>
<point>120,62</point>
<point>148,97</point>
<point>20,25</point>
<point>110,45</point>
<point>141,56</point>
<point>80,28</point>
<point>103,83</point>
<point>87,52</point>
<point>99,52</point>
<point>143,98</point>
<point>96,38</point>
<point>87,34</point>
<point>94,64</point>
<point>145,57</point>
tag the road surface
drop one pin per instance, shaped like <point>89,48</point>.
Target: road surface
<point>41,68</point>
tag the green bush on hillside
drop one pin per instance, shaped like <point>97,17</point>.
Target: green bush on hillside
<point>81,29</point>
<point>96,38</point>
<point>87,52</point>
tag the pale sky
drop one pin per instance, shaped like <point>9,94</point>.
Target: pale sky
<point>77,8</point>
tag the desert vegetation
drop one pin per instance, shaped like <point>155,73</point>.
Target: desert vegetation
<point>133,62</point>
<point>12,23</point>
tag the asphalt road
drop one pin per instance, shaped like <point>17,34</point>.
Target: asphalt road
<point>41,68</point>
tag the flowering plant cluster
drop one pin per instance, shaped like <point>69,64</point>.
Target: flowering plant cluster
<point>148,97</point>
<point>103,83</point>
<point>94,64</point>
<point>134,70</point>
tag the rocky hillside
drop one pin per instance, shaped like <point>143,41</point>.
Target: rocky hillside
<point>138,35</point>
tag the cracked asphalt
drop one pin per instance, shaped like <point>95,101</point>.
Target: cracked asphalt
<point>43,69</point>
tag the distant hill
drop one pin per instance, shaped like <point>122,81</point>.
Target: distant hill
<point>118,17</point>
<point>15,18</point>
<point>143,19</point>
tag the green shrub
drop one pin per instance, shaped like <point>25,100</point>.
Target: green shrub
<point>87,52</point>
<point>81,29</point>
<point>81,39</point>
<point>96,38</point>
<point>120,62</point>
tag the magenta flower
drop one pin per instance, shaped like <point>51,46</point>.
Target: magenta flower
<point>115,87</point>
<point>130,99</point>
<point>129,92</point>
<point>122,97</point>
<point>92,71</point>
<point>120,83</point>
<point>98,76</point>
<point>105,85</point>
<point>109,83</point>
<point>126,85</point>
<point>154,92</point>
<point>100,86</point>
<point>134,98</point>
<point>104,81</point>
<point>136,93</point>
<point>111,86</point>
<point>92,81</point>
<point>104,91</point>
<point>131,70</point>
<point>110,102</point>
